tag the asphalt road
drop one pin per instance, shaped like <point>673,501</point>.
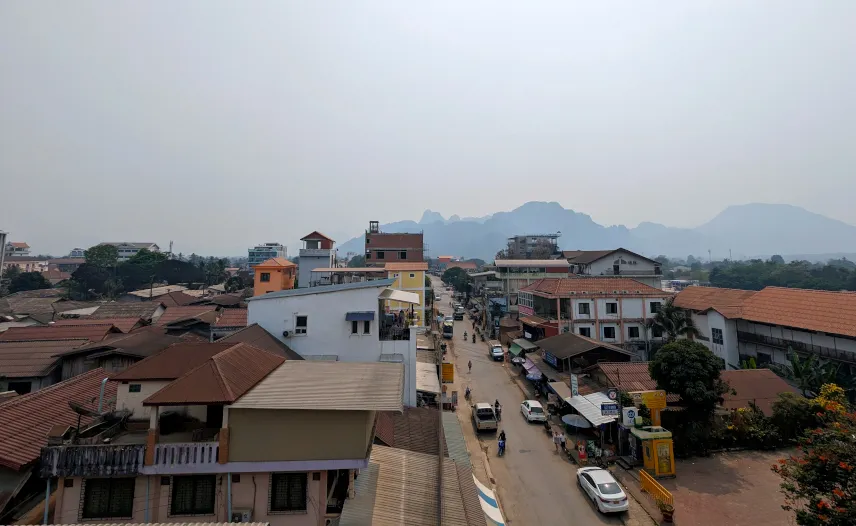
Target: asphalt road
<point>536,484</point>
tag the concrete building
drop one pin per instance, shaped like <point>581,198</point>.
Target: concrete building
<point>77,253</point>
<point>128,249</point>
<point>17,249</point>
<point>534,246</point>
<point>738,324</point>
<point>273,275</point>
<point>611,310</point>
<point>518,273</point>
<point>348,323</point>
<point>27,263</point>
<point>618,262</point>
<point>389,247</point>
<point>317,252</point>
<point>409,277</point>
<point>264,252</point>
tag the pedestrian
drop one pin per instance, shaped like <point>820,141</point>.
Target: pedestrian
<point>556,440</point>
<point>562,440</point>
<point>470,366</point>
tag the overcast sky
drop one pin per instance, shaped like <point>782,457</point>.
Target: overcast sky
<point>222,125</point>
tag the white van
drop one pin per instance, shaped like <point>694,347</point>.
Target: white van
<point>495,351</point>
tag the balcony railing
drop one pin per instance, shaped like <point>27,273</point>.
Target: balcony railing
<point>185,454</point>
<point>87,461</point>
<point>824,352</point>
<point>395,332</point>
<point>622,272</point>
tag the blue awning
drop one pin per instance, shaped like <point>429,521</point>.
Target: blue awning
<point>360,316</point>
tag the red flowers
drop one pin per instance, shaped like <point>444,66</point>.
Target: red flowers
<point>845,465</point>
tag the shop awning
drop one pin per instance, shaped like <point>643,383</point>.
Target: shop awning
<point>589,407</point>
<point>360,316</point>
<point>561,389</point>
<point>426,378</point>
<point>532,372</point>
<point>525,344</point>
<point>544,368</point>
<point>399,295</point>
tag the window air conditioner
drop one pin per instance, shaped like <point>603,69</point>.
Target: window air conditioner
<point>242,515</point>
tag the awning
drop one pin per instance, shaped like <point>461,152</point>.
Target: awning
<point>488,503</point>
<point>360,316</point>
<point>525,344</point>
<point>532,372</point>
<point>426,378</point>
<point>589,407</point>
<point>561,389</point>
<point>399,295</point>
<point>544,368</point>
<point>392,358</point>
<point>322,357</point>
<point>532,321</point>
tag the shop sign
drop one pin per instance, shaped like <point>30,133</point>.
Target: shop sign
<point>612,394</point>
<point>610,409</point>
<point>549,358</point>
<point>448,373</point>
<point>651,399</point>
<point>628,416</point>
<point>527,335</point>
<point>575,386</point>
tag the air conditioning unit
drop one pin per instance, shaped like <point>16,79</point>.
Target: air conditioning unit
<point>285,334</point>
<point>242,515</point>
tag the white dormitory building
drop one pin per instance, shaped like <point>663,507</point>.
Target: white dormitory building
<point>347,323</point>
<point>738,324</point>
<point>619,262</point>
<point>129,249</point>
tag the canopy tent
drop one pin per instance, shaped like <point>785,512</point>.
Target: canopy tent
<point>400,296</point>
<point>561,389</point>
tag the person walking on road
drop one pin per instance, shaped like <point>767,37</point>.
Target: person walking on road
<point>556,440</point>
<point>562,440</point>
<point>470,366</point>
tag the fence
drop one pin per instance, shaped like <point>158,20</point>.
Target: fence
<point>654,489</point>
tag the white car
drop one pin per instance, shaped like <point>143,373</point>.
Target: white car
<point>533,411</point>
<point>602,489</point>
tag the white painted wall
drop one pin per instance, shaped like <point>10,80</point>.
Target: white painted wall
<point>601,309</point>
<point>134,401</point>
<point>632,307</point>
<point>577,315</point>
<point>312,259</point>
<point>624,260</point>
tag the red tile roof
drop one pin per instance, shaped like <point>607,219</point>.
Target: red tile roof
<point>812,310</point>
<point>33,358</point>
<point>18,244</point>
<point>761,386</point>
<point>175,314</point>
<point>232,318</point>
<point>173,362</point>
<point>315,235</point>
<point>221,379</point>
<point>275,262</point>
<point>421,265</point>
<point>631,376</point>
<point>123,324</point>
<point>26,420</point>
<point>92,332</point>
<point>591,287</point>
<point>258,337</point>
<point>724,301</point>
<point>177,299</point>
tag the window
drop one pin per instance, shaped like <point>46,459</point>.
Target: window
<point>612,308</point>
<point>367,327</point>
<point>355,327</point>
<point>609,333</point>
<point>380,254</point>
<point>632,332</point>
<point>402,254</point>
<point>585,331</point>
<point>655,307</point>
<point>412,275</point>
<point>108,498</point>
<point>265,277</point>
<point>193,495</point>
<point>716,335</point>
<point>584,308</point>
<point>21,388</point>
<point>287,492</point>
<point>301,324</point>
<point>657,332</point>
<point>135,388</point>
<point>368,240</point>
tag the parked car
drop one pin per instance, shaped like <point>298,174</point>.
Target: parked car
<point>533,411</point>
<point>484,417</point>
<point>602,488</point>
<point>495,351</point>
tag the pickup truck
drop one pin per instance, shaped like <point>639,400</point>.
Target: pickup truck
<point>483,417</point>
<point>448,329</point>
<point>459,313</point>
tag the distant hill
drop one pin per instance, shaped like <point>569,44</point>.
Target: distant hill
<point>747,230</point>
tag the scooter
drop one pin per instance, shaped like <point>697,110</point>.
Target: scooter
<point>501,450</point>
<point>465,336</point>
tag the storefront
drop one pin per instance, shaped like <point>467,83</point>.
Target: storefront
<point>520,346</point>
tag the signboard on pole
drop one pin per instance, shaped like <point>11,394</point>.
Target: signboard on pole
<point>610,409</point>
<point>651,399</point>
<point>628,416</point>
<point>575,386</point>
<point>612,394</point>
<point>448,373</point>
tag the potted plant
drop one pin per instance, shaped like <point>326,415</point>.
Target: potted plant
<point>667,510</point>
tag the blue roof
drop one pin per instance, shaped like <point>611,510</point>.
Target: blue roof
<point>375,284</point>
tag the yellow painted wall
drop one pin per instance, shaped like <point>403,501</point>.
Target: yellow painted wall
<point>404,282</point>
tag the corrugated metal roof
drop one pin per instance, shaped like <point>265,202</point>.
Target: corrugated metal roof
<point>589,407</point>
<point>415,266</point>
<point>338,386</point>
<point>33,358</point>
<point>175,314</point>
<point>173,362</point>
<point>553,263</point>
<point>232,318</point>
<point>376,284</point>
<point>154,292</point>
<point>177,524</point>
<point>143,309</point>
<point>257,336</point>
<point>93,333</point>
<point>426,378</point>
<point>123,324</point>
<point>456,444</point>
<point>400,296</point>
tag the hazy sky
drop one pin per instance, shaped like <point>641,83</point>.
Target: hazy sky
<point>220,125</point>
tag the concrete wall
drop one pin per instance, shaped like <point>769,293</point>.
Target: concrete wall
<point>312,260</point>
<point>134,401</point>
<point>626,262</point>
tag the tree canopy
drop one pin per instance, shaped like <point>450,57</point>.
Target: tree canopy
<point>691,370</point>
<point>22,281</point>
<point>457,278</point>
<point>357,262</point>
<point>757,274</point>
<point>102,256</point>
<point>673,321</point>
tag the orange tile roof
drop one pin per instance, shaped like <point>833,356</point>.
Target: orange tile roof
<point>174,314</point>
<point>812,310</point>
<point>123,324</point>
<point>421,265</point>
<point>26,420</point>
<point>315,235</point>
<point>33,358</point>
<point>275,262</point>
<point>173,362</point>
<point>232,318</point>
<point>725,301</point>
<point>221,379</point>
<point>760,386</point>
<point>585,286</point>
<point>462,264</point>
<point>93,333</point>
<point>631,376</point>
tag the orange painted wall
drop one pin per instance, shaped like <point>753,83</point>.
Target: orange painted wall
<point>281,278</point>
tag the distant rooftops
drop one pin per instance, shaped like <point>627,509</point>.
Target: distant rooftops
<point>275,262</point>
<point>315,235</point>
<point>592,286</point>
<point>586,257</point>
<point>552,263</point>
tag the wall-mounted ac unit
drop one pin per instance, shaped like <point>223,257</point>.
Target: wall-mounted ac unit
<point>242,515</point>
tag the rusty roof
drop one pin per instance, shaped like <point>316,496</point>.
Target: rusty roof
<point>93,333</point>
<point>176,314</point>
<point>416,265</point>
<point>22,359</point>
<point>631,376</point>
<point>226,300</point>
<point>177,299</point>
<point>257,336</point>
<point>568,345</point>
<point>416,429</point>
<point>140,309</point>
<point>812,310</point>
<point>139,343</point>
<point>26,420</point>
<point>591,287</point>
<point>727,302</point>
<point>760,386</point>
<point>221,379</point>
<point>173,362</point>
<point>123,324</point>
<point>232,318</point>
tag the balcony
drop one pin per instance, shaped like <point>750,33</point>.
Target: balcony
<point>177,457</point>
<point>395,332</point>
<point>90,461</point>
<point>623,272</point>
<point>314,252</point>
<point>778,343</point>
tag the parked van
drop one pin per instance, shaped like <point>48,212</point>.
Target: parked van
<point>495,350</point>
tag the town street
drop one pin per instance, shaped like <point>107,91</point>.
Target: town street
<point>536,485</point>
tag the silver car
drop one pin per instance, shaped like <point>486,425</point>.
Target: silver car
<point>602,488</point>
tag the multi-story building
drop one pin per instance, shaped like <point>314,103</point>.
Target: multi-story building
<point>618,262</point>
<point>612,310</point>
<point>77,253</point>
<point>518,273</point>
<point>317,252</point>
<point>409,277</point>
<point>767,324</point>
<point>352,322</point>
<point>264,252</point>
<point>273,275</point>
<point>389,247</point>
<point>224,442</point>
<point>17,249</point>
<point>27,263</point>
<point>127,250</point>
<point>534,246</point>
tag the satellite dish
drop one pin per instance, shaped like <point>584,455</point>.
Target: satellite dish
<point>81,410</point>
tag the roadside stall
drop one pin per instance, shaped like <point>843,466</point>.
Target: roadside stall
<point>653,446</point>
<point>596,442</point>
<point>521,346</point>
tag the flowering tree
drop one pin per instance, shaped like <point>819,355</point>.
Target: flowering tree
<point>819,482</point>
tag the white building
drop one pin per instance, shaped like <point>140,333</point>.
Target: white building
<point>317,252</point>
<point>128,249</point>
<point>345,322</point>
<point>738,324</point>
<point>77,253</point>
<point>618,262</point>
<point>518,273</point>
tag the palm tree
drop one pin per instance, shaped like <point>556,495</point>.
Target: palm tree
<point>808,373</point>
<point>673,322</point>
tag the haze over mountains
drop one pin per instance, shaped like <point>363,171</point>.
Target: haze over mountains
<point>747,230</point>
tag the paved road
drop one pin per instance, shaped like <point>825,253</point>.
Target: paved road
<point>536,484</point>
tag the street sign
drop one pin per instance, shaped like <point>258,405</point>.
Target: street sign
<point>651,399</point>
<point>610,409</point>
<point>612,393</point>
<point>628,416</point>
<point>575,386</point>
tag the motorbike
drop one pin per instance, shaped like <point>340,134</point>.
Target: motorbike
<point>467,394</point>
<point>465,336</point>
<point>501,450</point>
<point>482,336</point>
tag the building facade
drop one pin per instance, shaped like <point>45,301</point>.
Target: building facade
<point>318,252</point>
<point>514,274</point>
<point>388,247</point>
<point>409,277</point>
<point>619,262</point>
<point>17,249</point>
<point>127,250</point>
<point>273,275</point>
<point>27,263</point>
<point>261,253</point>
<point>534,246</point>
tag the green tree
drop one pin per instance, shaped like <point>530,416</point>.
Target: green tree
<point>175,272</point>
<point>808,372</point>
<point>234,284</point>
<point>777,259</point>
<point>357,262</point>
<point>457,278</point>
<point>28,281</point>
<point>141,269</point>
<point>104,256</point>
<point>691,370</point>
<point>793,415</point>
<point>673,321</point>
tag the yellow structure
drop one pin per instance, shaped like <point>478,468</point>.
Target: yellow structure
<point>657,451</point>
<point>653,488</point>
<point>655,401</point>
<point>274,275</point>
<point>409,277</point>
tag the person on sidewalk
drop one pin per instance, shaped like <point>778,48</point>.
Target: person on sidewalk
<point>470,366</point>
<point>562,441</point>
<point>556,440</point>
